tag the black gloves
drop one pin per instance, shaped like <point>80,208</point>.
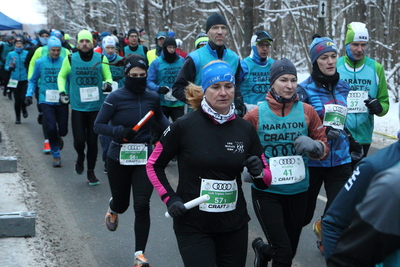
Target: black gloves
<point>64,98</point>
<point>356,149</point>
<point>128,134</point>
<point>254,166</point>
<point>373,105</point>
<point>304,144</point>
<point>11,68</point>
<point>176,207</point>
<point>28,100</point>
<point>332,133</point>
<point>240,106</point>
<point>107,87</point>
<point>163,90</point>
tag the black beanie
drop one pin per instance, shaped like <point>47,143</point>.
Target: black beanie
<point>134,60</point>
<point>215,19</point>
<point>281,67</point>
<point>133,31</point>
<point>44,31</point>
<point>169,41</point>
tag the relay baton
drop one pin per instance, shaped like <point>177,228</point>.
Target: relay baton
<point>193,203</point>
<point>142,121</point>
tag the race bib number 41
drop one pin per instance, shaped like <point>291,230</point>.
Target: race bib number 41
<point>223,195</point>
<point>287,170</point>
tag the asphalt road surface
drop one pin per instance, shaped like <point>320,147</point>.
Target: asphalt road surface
<point>71,214</point>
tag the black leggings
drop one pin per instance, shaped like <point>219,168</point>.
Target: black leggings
<point>225,249</point>
<point>333,178</point>
<point>281,218</point>
<point>83,133</point>
<point>122,178</point>
<point>19,98</point>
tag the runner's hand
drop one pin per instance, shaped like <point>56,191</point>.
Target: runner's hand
<point>373,105</point>
<point>176,207</point>
<point>254,166</point>
<point>332,133</point>
<point>163,90</point>
<point>107,87</point>
<point>28,100</point>
<point>64,98</point>
<point>304,144</point>
<point>128,134</point>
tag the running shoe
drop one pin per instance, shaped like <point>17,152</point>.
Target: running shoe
<point>105,168</point>
<point>46,147</point>
<point>317,227</point>
<point>140,260</point>
<point>263,252</point>
<point>92,178</point>
<point>57,162</point>
<point>111,220</point>
<point>18,120</point>
<point>25,114</point>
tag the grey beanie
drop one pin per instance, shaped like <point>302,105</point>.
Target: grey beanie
<point>281,67</point>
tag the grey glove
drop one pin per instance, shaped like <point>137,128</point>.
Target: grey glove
<point>332,133</point>
<point>304,144</point>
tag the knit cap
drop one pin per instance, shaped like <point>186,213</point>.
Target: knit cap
<point>53,42</point>
<point>104,34</point>
<point>169,41</point>
<point>217,71</point>
<point>18,39</point>
<point>108,40</point>
<point>281,67</point>
<point>56,33</point>
<point>215,19</point>
<point>133,31</point>
<point>356,32</point>
<point>43,32</point>
<point>321,45</point>
<point>85,34</point>
<point>201,38</point>
<point>134,60</point>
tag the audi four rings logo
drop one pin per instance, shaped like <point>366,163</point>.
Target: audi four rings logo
<point>50,79</point>
<point>287,161</point>
<point>169,79</point>
<point>260,88</point>
<point>87,80</point>
<point>220,186</point>
<point>280,150</point>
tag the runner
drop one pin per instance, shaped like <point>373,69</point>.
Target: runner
<point>87,95</point>
<point>121,111</point>
<point>212,145</point>
<point>45,78</point>
<point>291,133</point>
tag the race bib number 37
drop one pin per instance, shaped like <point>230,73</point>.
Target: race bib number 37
<point>355,101</point>
<point>223,195</point>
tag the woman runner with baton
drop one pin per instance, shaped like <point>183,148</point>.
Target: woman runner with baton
<point>212,146</point>
<point>130,148</point>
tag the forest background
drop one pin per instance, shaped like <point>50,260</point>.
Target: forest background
<point>290,23</point>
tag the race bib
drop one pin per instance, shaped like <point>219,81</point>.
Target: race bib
<point>287,170</point>
<point>89,94</point>
<point>168,96</point>
<point>223,195</point>
<point>12,83</point>
<point>335,116</point>
<point>133,154</point>
<point>52,96</point>
<point>355,102</point>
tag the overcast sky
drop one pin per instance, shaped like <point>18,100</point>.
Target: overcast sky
<point>23,11</point>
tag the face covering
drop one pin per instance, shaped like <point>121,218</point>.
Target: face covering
<point>135,85</point>
<point>110,57</point>
<point>19,49</point>
<point>43,41</point>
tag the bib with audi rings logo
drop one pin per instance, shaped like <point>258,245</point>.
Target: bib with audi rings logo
<point>89,94</point>
<point>133,154</point>
<point>223,195</point>
<point>52,95</point>
<point>287,170</point>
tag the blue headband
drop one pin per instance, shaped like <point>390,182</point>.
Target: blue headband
<point>217,72</point>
